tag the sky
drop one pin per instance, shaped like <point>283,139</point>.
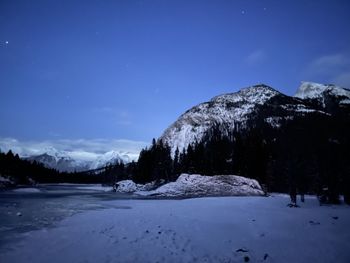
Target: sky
<point>120,72</point>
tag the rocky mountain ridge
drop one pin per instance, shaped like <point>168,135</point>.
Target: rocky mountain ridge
<point>251,105</point>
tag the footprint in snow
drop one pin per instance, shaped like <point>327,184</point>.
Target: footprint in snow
<point>242,250</point>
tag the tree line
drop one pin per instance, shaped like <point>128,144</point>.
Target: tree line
<point>22,171</point>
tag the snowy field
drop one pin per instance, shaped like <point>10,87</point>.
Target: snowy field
<point>102,227</point>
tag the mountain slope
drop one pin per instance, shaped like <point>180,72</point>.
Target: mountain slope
<point>61,162</point>
<point>251,106</point>
<point>110,157</point>
<point>228,109</point>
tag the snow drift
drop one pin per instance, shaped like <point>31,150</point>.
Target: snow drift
<point>128,186</point>
<point>195,185</point>
<point>6,182</point>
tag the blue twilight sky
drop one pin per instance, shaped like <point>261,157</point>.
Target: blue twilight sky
<point>111,70</point>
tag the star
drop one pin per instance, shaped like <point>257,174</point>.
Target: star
<point>243,12</point>
<point>6,42</point>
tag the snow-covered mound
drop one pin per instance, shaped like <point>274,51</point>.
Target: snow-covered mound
<point>311,90</point>
<point>228,109</point>
<point>6,182</point>
<point>195,185</point>
<point>128,186</point>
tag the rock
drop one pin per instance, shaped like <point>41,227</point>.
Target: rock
<point>195,185</point>
<point>128,186</point>
<point>19,214</point>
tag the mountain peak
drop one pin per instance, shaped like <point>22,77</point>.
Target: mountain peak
<point>257,94</point>
<point>262,85</point>
<point>230,109</point>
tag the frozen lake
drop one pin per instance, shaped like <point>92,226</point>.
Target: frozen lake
<point>45,205</point>
<point>80,223</point>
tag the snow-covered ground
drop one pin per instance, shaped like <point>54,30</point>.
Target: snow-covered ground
<point>96,188</point>
<point>211,229</point>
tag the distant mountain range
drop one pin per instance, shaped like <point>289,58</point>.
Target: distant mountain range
<point>65,160</point>
<point>251,106</point>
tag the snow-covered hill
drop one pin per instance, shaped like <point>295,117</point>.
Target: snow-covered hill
<point>250,106</point>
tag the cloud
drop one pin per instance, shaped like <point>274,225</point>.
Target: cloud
<point>329,62</point>
<point>83,149</point>
<point>256,57</point>
<point>332,68</point>
<point>342,79</point>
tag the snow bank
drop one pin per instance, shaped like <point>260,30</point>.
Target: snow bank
<point>96,188</point>
<point>3,179</point>
<point>128,186</point>
<point>195,185</point>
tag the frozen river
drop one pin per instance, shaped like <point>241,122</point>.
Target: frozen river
<point>80,223</point>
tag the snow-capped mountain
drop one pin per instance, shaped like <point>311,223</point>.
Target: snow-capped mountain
<point>250,106</point>
<point>229,109</point>
<point>322,93</point>
<point>311,90</point>
<point>70,161</point>
<point>110,157</point>
<point>60,160</point>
